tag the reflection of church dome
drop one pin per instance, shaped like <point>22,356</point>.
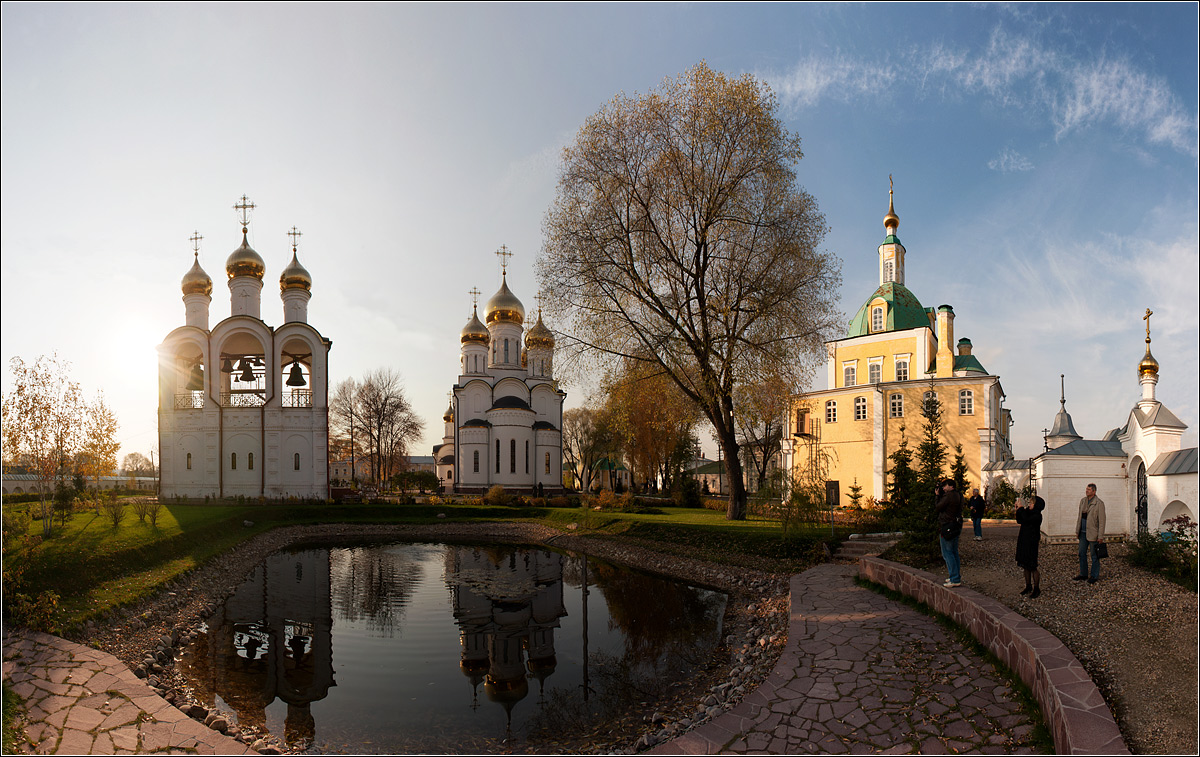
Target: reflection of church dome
<point>504,306</point>
<point>295,276</point>
<point>475,331</point>
<point>244,261</point>
<point>196,281</point>
<point>539,335</point>
<point>542,667</point>
<point>508,691</point>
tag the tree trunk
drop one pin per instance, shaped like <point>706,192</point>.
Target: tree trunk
<point>736,510</point>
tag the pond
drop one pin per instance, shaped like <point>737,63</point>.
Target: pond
<point>438,648</point>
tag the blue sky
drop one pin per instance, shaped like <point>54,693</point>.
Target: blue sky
<point>1045,161</point>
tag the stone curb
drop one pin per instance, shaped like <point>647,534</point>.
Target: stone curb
<point>1075,711</point>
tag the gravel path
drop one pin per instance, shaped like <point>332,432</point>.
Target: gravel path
<point>1134,632</point>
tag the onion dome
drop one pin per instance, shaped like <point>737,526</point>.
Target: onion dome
<point>539,335</point>
<point>475,331</point>
<point>1148,366</point>
<point>449,414</point>
<point>504,306</point>
<point>244,261</point>
<point>891,220</point>
<point>295,276</point>
<point>196,281</point>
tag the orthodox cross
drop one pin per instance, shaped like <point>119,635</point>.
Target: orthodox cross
<point>243,208</point>
<point>195,240</point>
<point>1062,377</point>
<point>891,185</point>
<point>504,255</point>
<point>1045,444</point>
<point>1146,318</point>
<point>540,297</point>
<point>474,292</point>
<point>295,234</point>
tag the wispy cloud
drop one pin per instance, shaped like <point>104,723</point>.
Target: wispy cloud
<point>1014,71</point>
<point>1009,161</point>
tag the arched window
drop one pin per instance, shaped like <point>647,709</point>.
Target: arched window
<point>902,370</point>
<point>475,468</point>
<point>250,461</point>
<point>848,377</point>
<point>497,455</point>
<point>547,462</point>
<point>296,461</point>
<point>896,405</point>
<point>232,461</point>
<point>889,271</point>
<point>506,350</point>
<point>860,408</point>
<point>831,411</point>
<point>966,402</point>
<point>877,318</point>
<point>875,373</point>
<point>189,461</point>
<point>512,455</point>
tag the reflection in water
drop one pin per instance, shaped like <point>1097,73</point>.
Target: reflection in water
<point>509,623</point>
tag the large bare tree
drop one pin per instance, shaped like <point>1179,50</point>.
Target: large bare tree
<point>382,416</point>
<point>678,236</point>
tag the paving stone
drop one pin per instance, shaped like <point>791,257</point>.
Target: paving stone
<point>75,742</point>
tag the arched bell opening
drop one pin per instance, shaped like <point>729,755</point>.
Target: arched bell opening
<point>243,372</point>
<point>296,374</point>
<point>189,374</point>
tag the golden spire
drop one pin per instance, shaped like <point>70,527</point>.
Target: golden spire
<point>1148,364</point>
<point>244,261</point>
<point>196,281</point>
<point>891,220</point>
<point>295,276</point>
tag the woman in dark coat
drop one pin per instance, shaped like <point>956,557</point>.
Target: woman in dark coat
<point>1029,515</point>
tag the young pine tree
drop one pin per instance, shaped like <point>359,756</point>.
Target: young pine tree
<point>855,495</point>
<point>958,471</point>
<point>902,481</point>
<point>930,465</point>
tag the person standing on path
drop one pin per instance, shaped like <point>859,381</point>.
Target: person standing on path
<point>978,505</point>
<point>1029,515</point>
<point>1091,534</point>
<point>949,511</point>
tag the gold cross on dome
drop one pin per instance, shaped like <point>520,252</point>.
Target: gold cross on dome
<point>295,234</point>
<point>1146,318</point>
<point>243,208</point>
<point>504,255</point>
<point>195,240</point>
<point>474,292</point>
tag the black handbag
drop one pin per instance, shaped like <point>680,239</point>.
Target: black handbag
<point>1101,550</point>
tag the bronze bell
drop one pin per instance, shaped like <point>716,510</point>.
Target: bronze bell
<point>296,376</point>
<point>247,371</point>
<point>196,379</point>
<point>226,366</point>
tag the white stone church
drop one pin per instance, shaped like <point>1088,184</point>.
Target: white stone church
<point>1139,469</point>
<point>504,423</point>
<point>243,406</point>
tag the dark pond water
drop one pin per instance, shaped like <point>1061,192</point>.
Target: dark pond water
<point>387,648</point>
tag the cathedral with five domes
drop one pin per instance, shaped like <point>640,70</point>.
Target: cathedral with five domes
<point>243,406</point>
<point>504,423</point>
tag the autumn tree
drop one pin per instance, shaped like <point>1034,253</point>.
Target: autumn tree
<point>43,421</point>
<point>652,417</point>
<point>382,416</point>
<point>678,237</point>
<point>98,455</point>
<point>760,407</point>
<point>585,441</point>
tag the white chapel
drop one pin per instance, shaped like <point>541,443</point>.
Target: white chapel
<point>504,423</point>
<point>243,406</point>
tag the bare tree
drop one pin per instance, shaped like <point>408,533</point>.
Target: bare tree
<point>761,407</point>
<point>42,419</point>
<point>678,236</point>
<point>583,443</point>
<point>381,415</point>
<point>137,464</point>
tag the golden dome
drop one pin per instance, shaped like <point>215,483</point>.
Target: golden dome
<point>504,306</point>
<point>449,414</point>
<point>475,331</point>
<point>244,261</point>
<point>196,281</point>
<point>891,220</point>
<point>1148,365</point>
<point>295,276</point>
<point>539,335</point>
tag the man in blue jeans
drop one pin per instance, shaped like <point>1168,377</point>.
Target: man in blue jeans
<point>949,512</point>
<point>1090,528</point>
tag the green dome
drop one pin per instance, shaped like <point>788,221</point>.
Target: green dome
<point>904,311</point>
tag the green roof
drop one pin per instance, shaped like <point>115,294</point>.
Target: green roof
<point>904,311</point>
<point>892,239</point>
<point>968,363</point>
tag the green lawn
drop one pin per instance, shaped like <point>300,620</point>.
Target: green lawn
<point>94,567</point>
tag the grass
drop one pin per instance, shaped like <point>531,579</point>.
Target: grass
<point>95,567</point>
<point>12,706</point>
<point>1040,738</point>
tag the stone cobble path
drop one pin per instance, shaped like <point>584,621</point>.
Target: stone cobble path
<point>79,700</point>
<point>861,674</point>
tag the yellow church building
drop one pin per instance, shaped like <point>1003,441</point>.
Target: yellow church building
<point>895,354</point>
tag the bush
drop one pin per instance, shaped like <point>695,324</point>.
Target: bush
<point>559,502</point>
<point>16,526</point>
<point>687,493</point>
<point>496,497</point>
<point>1171,553</point>
<point>141,508</point>
<point>115,510</point>
<point>153,508</point>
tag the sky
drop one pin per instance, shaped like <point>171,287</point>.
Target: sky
<point>1045,162</point>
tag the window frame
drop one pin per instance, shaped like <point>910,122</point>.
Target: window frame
<point>860,409</point>
<point>902,370</point>
<point>831,411</point>
<point>875,372</point>
<point>896,405</point>
<point>966,402</point>
<point>850,374</point>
